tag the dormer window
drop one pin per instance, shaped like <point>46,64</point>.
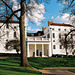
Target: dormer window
<point>32,34</point>
<point>39,34</point>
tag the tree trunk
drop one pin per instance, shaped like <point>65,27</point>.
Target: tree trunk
<point>24,61</point>
<point>66,45</point>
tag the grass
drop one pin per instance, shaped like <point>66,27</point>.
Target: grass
<point>72,71</point>
<point>40,63</point>
<point>11,65</point>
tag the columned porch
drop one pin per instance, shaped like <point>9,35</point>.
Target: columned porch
<point>38,50</point>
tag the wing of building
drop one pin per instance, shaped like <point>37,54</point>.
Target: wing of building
<point>44,43</point>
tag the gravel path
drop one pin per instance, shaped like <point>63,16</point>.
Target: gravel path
<point>57,71</point>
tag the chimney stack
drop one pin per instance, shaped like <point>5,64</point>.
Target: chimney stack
<point>12,18</point>
<point>43,28</point>
<point>50,23</point>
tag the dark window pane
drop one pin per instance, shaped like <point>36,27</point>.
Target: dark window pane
<point>53,35</point>
<point>14,34</point>
<point>53,46</point>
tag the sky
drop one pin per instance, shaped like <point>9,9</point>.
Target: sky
<point>52,13</point>
<point>49,12</point>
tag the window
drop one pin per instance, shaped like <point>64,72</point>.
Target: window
<point>65,29</point>
<point>32,34</point>
<point>48,36</point>
<point>6,39</point>
<point>14,34</point>
<point>71,36</point>
<point>44,37</point>
<point>72,46</point>
<point>53,46</point>
<point>14,27</point>
<point>53,35</point>
<point>70,29</point>
<point>7,26</point>
<point>60,46</point>
<point>60,35</point>
<point>59,29</point>
<point>53,40</point>
<point>14,46</point>
<point>7,33</point>
<point>53,29</point>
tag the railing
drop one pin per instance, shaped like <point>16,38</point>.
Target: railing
<point>37,39</point>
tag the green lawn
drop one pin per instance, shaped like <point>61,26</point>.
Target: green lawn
<point>12,65</point>
<point>72,71</point>
<point>51,62</point>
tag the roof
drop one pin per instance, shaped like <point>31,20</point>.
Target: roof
<point>59,24</point>
<point>2,21</point>
<point>39,33</point>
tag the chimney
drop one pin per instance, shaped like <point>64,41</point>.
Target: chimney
<point>12,18</point>
<point>50,23</point>
<point>43,28</point>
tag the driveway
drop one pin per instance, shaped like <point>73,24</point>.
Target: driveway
<point>57,71</point>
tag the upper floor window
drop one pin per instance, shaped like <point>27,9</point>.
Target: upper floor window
<point>65,29</point>
<point>60,46</point>
<point>48,36</point>
<point>14,46</point>
<point>59,29</point>
<point>44,37</point>
<point>14,34</point>
<point>53,35</point>
<point>14,27</point>
<point>60,35</point>
<point>51,28</point>
<point>71,36</point>
<point>53,40</point>
<point>6,39</point>
<point>72,46</point>
<point>54,47</point>
<point>7,33</point>
<point>7,26</point>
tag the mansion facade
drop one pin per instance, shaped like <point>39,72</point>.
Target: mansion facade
<point>44,43</point>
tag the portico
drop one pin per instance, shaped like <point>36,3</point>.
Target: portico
<point>38,48</point>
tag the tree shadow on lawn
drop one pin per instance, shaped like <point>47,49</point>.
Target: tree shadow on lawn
<point>10,61</point>
<point>40,63</point>
<point>17,69</point>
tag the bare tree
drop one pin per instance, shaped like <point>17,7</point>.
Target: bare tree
<point>13,44</point>
<point>68,43</point>
<point>68,7</point>
<point>23,9</point>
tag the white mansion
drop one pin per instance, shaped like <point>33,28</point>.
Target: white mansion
<point>43,43</point>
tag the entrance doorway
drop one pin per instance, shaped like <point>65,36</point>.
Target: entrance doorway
<point>37,52</point>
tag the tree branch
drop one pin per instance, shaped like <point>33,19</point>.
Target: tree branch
<point>10,9</point>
